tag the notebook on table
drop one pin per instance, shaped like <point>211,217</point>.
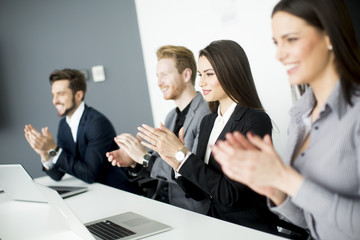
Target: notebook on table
<point>15,181</point>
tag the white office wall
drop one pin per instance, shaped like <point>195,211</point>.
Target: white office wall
<point>196,23</point>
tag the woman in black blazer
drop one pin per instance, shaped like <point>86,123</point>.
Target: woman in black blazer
<point>228,86</point>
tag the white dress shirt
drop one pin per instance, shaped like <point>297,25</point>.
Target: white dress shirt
<point>219,125</point>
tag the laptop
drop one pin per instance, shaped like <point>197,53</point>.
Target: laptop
<point>16,182</point>
<point>68,191</point>
<point>26,191</point>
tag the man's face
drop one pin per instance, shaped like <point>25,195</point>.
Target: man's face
<point>170,81</point>
<point>63,98</point>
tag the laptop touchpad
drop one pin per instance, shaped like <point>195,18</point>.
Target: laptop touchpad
<point>136,222</point>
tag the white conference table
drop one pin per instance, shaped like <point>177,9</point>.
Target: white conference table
<point>102,201</point>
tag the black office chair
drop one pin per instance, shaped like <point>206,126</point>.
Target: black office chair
<point>291,231</point>
<point>141,177</point>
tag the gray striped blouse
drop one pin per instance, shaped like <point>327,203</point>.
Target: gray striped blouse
<point>328,201</point>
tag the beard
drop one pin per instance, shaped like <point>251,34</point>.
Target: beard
<point>69,109</point>
<point>176,91</point>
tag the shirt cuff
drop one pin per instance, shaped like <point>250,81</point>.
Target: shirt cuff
<point>52,161</point>
<point>177,174</point>
<point>48,164</point>
<point>56,157</point>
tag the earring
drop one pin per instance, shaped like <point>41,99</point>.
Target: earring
<point>330,47</point>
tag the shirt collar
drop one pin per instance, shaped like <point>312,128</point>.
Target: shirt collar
<point>228,112</point>
<point>336,102</point>
<point>75,118</point>
<point>184,111</point>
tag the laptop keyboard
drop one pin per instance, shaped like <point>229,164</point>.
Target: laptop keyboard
<point>109,230</point>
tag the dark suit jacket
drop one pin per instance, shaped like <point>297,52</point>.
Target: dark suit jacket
<point>230,200</point>
<point>86,158</point>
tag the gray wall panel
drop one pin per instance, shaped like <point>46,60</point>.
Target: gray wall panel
<point>39,36</point>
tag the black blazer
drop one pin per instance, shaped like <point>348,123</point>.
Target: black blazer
<point>86,159</point>
<point>229,200</point>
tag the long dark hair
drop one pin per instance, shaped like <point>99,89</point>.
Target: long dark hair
<point>233,71</point>
<point>332,17</point>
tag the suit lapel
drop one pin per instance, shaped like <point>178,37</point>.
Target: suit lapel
<point>189,116</point>
<point>172,123</point>
<point>234,121</point>
<point>80,142</point>
<point>230,126</point>
<point>68,142</point>
<point>205,135</point>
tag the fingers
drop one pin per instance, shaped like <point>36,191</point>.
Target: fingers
<point>152,147</point>
<point>28,139</point>
<point>35,133</point>
<point>223,153</point>
<point>138,137</point>
<point>223,147</point>
<point>111,158</point>
<point>232,173</point>
<point>163,128</point>
<point>44,131</point>
<point>115,158</point>
<point>147,136</point>
<point>28,127</point>
<point>128,142</point>
<point>258,142</point>
<point>150,131</point>
<point>111,155</point>
<point>126,139</point>
<point>243,142</point>
<point>235,140</point>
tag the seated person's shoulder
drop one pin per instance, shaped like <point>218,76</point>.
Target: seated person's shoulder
<point>255,113</point>
<point>94,119</point>
<point>94,115</point>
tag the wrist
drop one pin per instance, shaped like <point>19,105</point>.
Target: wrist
<point>45,157</point>
<point>53,146</point>
<point>277,197</point>
<point>290,181</point>
<point>139,159</point>
<point>176,165</point>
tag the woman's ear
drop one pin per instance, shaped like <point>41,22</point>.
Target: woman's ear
<point>328,42</point>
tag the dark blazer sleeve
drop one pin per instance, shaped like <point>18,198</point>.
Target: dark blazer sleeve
<point>191,189</point>
<point>95,138</point>
<point>209,177</point>
<point>63,135</point>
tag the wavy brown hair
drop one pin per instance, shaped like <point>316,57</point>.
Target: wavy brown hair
<point>77,81</point>
<point>184,58</point>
